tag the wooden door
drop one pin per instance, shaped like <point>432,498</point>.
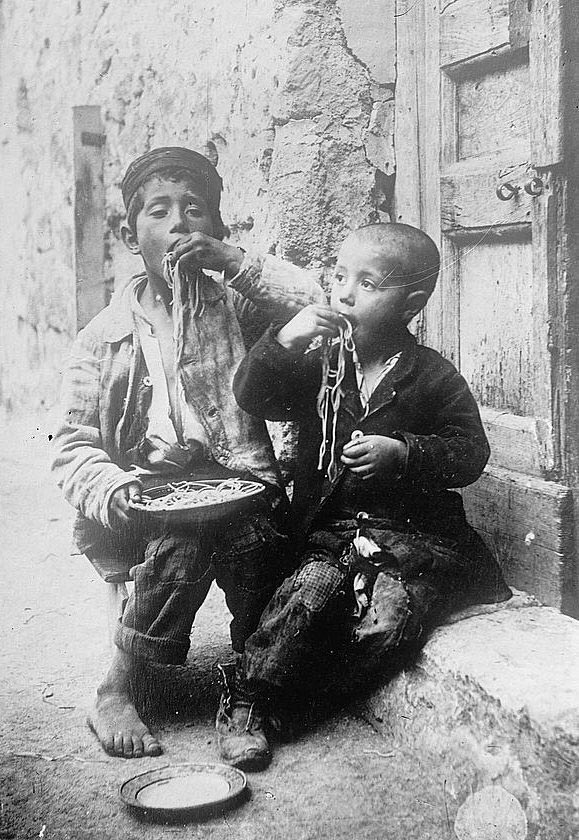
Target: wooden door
<point>480,145</point>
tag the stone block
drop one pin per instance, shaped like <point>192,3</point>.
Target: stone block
<point>493,702</point>
<point>369,27</point>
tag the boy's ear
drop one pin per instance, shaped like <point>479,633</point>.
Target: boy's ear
<point>413,304</point>
<point>129,237</point>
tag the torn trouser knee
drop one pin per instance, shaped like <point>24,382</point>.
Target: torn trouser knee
<point>300,627</point>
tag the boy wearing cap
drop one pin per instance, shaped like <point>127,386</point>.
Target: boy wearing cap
<point>148,385</point>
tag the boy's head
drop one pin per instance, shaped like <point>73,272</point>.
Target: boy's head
<point>169,193</point>
<point>384,275</point>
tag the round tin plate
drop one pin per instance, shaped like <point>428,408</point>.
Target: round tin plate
<point>184,791</point>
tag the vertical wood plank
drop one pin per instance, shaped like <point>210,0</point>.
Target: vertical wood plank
<point>546,61</point>
<point>406,124</point>
<point>548,213</point>
<point>429,112</point>
<point>89,212</point>
<point>568,276</point>
<point>430,162</point>
<point>520,13</point>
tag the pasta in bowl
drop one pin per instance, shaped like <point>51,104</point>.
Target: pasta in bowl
<point>182,502</point>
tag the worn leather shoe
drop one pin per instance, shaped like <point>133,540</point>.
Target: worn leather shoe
<point>241,738</point>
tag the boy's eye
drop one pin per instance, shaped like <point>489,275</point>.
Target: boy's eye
<point>158,212</point>
<point>193,210</point>
<point>339,278</point>
<point>368,285</point>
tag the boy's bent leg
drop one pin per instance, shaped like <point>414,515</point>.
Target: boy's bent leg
<point>170,585</point>
<point>304,626</point>
<point>248,570</point>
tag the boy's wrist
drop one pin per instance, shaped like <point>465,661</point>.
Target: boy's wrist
<point>289,343</point>
<point>234,263</point>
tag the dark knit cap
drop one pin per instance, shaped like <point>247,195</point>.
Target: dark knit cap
<point>203,173</point>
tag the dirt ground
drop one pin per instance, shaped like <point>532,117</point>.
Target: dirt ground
<point>338,780</point>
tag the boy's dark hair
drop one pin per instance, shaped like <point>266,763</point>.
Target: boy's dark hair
<point>170,173</point>
<point>419,257</point>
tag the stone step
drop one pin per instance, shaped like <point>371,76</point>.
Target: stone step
<point>493,706</point>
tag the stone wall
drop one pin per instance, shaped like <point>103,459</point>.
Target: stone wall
<point>295,96</point>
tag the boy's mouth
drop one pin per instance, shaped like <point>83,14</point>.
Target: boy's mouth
<point>348,319</point>
<point>173,246</point>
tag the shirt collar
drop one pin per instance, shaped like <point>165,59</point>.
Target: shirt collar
<point>125,306</point>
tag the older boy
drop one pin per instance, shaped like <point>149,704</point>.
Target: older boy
<point>151,387</point>
<point>385,548</point>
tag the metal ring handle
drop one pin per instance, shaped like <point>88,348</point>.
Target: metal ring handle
<point>507,191</point>
<point>534,187</point>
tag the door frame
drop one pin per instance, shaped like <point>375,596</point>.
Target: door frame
<point>554,64</point>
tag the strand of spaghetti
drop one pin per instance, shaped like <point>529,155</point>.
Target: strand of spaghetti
<point>329,396</point>
<point>186,494</point>
<point>322,402</point>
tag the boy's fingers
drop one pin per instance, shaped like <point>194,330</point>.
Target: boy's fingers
<point>362,468</point>
<point>358,447</point>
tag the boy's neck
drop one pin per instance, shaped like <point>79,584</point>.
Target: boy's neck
<point>382,347</point>
<point>155,294</point>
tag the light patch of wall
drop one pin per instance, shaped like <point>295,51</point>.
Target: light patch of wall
<point>288,91</point>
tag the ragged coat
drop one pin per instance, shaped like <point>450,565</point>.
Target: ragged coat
<point>423,401</point>
<point>107,390</point>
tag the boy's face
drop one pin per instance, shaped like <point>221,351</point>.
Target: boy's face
<point>372,308</point>
<point>171,210</point>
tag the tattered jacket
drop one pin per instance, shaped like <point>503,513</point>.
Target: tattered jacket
<point>423,401</point>
<point>107,390</point>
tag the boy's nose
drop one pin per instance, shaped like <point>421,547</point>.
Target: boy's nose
<point>179,222</point>
<point>347,295</point>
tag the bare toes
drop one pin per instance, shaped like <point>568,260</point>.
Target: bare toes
<point>151,746</point>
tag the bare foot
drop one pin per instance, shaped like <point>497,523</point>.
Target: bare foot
<point>114,718</point>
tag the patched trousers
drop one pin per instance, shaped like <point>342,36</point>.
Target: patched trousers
<point>243,557</point>
<point>318,633</point>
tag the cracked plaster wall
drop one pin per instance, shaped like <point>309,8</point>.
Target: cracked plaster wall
<point>297,97</point>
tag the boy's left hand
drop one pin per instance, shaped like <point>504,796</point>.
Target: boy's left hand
<point>198,250</point>
<point>374,456</point>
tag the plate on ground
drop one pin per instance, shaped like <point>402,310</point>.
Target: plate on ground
<point>180,502</point>
<point>184,791</point>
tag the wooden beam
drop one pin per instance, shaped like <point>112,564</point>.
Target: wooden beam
<point>470,201</point>
<point>470,27</point>
<point>527,522</point>
<point>89,212</point>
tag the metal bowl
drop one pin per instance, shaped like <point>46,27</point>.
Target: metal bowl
<point>201,512</point>
<point>184,791</point>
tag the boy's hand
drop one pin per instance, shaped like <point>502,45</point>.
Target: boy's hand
<point>119,509</point>
<point>198,250</point>
<point>311,321</point>
<point>374,456</point>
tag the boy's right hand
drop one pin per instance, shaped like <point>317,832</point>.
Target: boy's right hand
<point>312,321</point>
<point>119,508</point>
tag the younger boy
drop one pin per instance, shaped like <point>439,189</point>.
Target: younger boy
<point>384,547</point>
<point>149,385</point>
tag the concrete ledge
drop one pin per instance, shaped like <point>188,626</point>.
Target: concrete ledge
<point>493,706</point>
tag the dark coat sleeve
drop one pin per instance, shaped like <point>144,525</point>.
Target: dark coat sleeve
<point>455,450</point>
<point>275,384</point>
